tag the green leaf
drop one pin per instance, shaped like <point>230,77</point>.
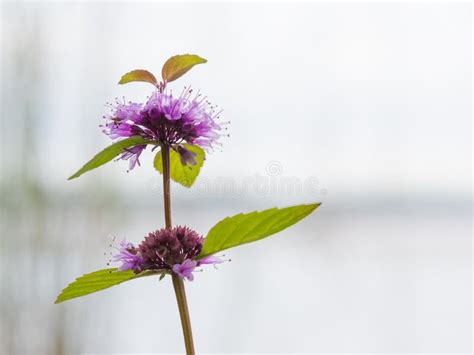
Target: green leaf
<point>109,153</point>
<point>138,75</point>
<point>96,281</point>
<point>179,65</point>
<point>182,174</point>
<point>250,227</point>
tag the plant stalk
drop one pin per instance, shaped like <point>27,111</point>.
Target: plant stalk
<point>165,155</point>
<point>178,283</point>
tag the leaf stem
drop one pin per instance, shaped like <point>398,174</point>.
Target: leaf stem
<point>178,283</point>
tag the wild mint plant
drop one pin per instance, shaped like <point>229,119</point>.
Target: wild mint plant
<point>180,129</point>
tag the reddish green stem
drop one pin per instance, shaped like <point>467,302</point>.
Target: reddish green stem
<point>178,283</point>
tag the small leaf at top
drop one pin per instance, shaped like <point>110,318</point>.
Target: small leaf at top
<point>109,153</point>
<point>250,227</point>
<point>138,75</point>
<point>178,65</point>
<point>97,281</point>
<point>182,174</point>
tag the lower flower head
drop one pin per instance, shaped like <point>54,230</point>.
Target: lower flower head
<point>172,250</point>
<point>166,247</point>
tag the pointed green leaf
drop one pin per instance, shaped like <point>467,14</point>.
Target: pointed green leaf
<point>182,174</point>
<point>138,75</point>
<point>97,281</point>
<point>250,227</point>
<point>109,153</point>
<point>179,65</point>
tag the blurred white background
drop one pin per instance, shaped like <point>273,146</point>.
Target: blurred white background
<point>365,107</point>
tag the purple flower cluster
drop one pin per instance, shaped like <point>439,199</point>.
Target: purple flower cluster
<point>172,250</point>
<point>166,247</point>
<point>167,120</point>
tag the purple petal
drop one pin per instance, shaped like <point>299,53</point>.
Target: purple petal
<point>129,256</point>
<point>185,269</point>
<point>132,155</point>
<point>210,259</point>
<point>186,156</point>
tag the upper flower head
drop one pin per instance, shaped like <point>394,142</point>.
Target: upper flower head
<point>166,119</point>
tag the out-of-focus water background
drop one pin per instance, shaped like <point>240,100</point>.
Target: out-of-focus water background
<point>365,107</point>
